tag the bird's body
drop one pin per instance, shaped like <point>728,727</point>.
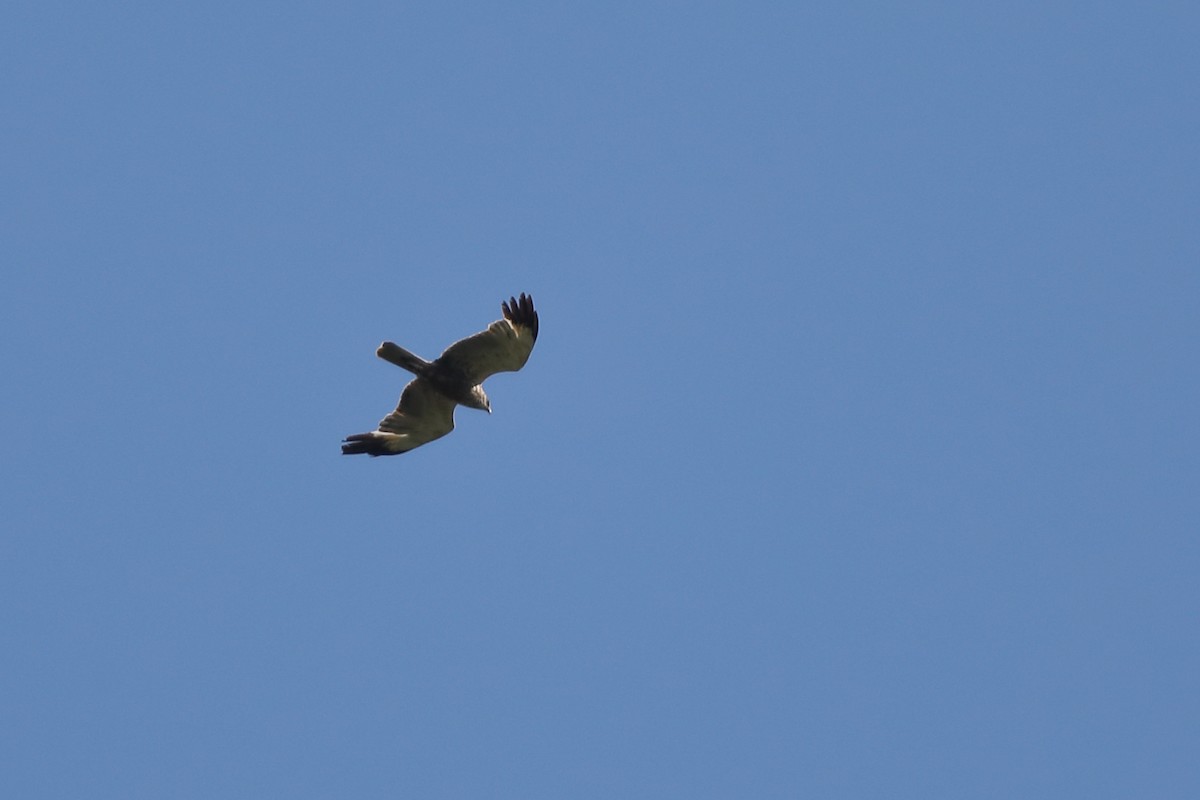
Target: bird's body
<point>446,377</point>
<point>426,408</point>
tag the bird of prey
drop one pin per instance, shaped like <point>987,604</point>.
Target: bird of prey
<point>426,409</point>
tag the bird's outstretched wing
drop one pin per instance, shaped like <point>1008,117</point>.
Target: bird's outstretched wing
<point>504,347</point>
<point>423,414</point>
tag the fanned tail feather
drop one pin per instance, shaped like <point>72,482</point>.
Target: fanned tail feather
<point>395,354</point>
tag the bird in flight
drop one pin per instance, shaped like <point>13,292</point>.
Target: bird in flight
<point>426,408</point>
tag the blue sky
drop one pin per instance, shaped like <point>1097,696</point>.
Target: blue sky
<point>858,456</point>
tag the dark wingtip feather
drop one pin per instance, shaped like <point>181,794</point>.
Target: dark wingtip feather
<point>359,443</point>
<point>521,312</point>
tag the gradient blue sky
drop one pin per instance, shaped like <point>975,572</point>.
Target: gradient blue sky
<point>858,456</point>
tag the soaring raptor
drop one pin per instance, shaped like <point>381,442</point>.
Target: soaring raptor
<point>426,409</point>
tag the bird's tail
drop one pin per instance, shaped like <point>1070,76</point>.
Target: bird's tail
<point>397,355</point>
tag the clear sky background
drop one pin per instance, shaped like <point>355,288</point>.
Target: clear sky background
<point>858,456</point>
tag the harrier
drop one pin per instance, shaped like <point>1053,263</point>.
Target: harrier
<point>426,409</point>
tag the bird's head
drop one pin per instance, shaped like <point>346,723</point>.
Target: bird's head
<point>479,399</point>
